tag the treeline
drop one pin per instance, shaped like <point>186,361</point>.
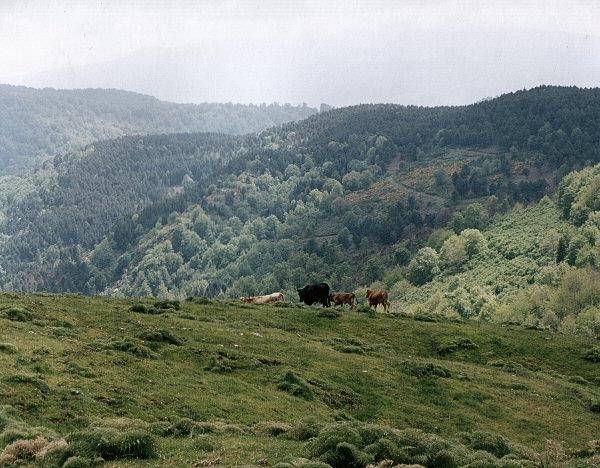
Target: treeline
<point>38,123</point>
<point>212,215</point>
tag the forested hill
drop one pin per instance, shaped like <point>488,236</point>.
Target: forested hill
<point>38,123</point>
<point>347,196</point>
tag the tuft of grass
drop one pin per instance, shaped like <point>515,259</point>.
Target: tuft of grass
<point>295,385</point>
<point>18,314</point>
<point>112,444</point>
<point>348,345</point>
<point>82,462</point>
<point>131,347</point>
<point>427,369</point>
<point>219,364</point>
<point>272,428</point>
<point>161,336</point>
<point>592,355</point>
<point>329,313</point>
<point>35,382</point>
<point>452,346</point>
<point>489,442</point>
<point>76,369</point>
<point>8,348</point>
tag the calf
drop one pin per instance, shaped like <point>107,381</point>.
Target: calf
<point>343,298</point>
<point>376,297</point>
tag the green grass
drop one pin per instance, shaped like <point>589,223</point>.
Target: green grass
<point>441,377</point>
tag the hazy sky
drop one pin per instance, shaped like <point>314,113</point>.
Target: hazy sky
<point>412,52</point>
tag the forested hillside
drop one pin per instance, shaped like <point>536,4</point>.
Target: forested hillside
<point>38,123</point>
<point>387,195</point>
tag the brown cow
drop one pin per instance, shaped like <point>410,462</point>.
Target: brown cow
<point>376,297</point>
<point>274,297</point>
<point>343,298</point>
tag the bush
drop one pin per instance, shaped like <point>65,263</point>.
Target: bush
<point>161,336</point>
<point>295,385</point>
<point>165,305</point>
<point>16,314</point>
<point>112,444</point>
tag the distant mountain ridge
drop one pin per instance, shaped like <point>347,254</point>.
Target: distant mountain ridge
<point>38,123</point>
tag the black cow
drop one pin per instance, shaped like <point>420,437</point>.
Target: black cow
<point>314,293</point>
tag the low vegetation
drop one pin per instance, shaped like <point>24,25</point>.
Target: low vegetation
<point>236,385</point>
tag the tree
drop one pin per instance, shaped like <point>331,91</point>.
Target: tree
<point>453,254</point>
<point>424,266</point>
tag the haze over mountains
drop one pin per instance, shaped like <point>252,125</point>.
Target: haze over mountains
<point>36,124</point>
<point>449,68</point>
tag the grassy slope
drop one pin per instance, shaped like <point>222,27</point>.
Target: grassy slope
<point>534,397</point>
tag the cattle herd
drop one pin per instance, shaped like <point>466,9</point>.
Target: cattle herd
<point>320,294</point>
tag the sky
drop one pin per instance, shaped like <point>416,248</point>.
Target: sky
<point>421,52</point>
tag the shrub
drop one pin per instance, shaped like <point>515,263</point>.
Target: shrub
<point>8,348</point>
<point>17,314</point>
<point>295,385</point>
<point>112,444</point>
<point>161,336</point>
<point>163,305</point>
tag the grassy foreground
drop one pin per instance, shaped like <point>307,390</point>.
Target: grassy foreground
<point>225,383</point>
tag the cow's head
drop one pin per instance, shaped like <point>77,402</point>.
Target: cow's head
<point>368,292</point>
<point>300,293</point>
